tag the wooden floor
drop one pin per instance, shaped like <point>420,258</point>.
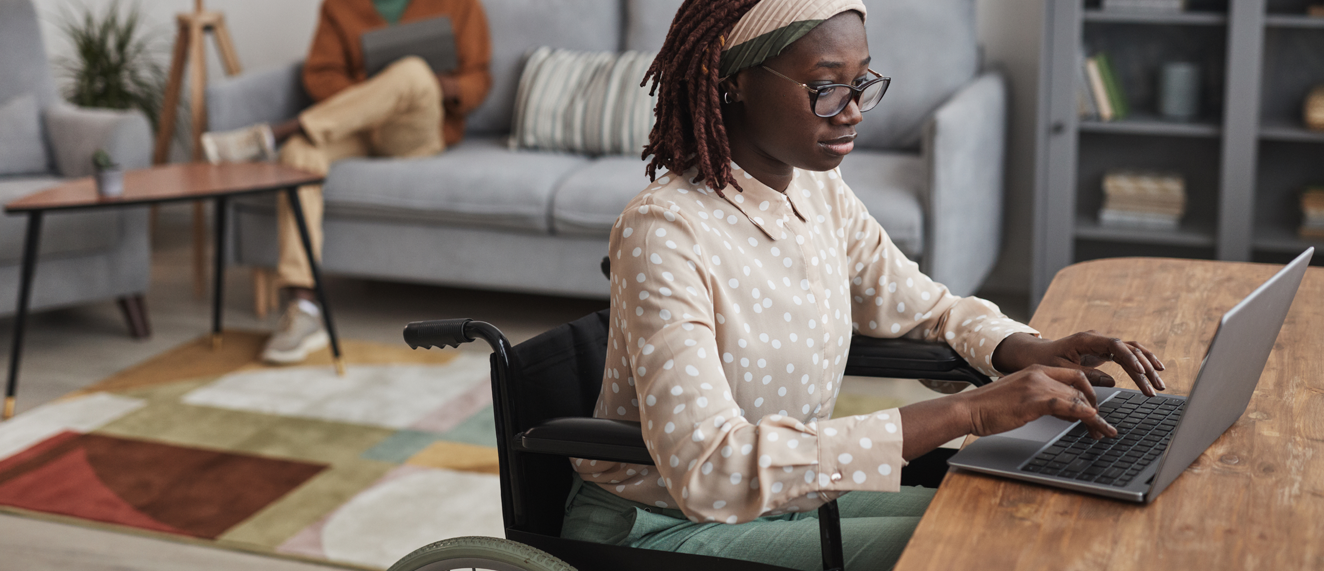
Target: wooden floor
<point>96,334</point>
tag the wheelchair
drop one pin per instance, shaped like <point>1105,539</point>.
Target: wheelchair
<point>543,393</point>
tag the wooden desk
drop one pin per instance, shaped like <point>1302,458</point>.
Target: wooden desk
<point>1253,500</point>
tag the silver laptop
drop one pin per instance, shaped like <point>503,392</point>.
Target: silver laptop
<point>1158,437</point>
<point>432,39</point>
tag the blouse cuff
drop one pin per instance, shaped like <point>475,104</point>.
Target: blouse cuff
<point>861,452</point>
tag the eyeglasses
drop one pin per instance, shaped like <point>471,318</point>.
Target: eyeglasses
<point>830,100</point>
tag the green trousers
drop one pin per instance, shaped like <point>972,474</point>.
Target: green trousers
<point>875,527</point>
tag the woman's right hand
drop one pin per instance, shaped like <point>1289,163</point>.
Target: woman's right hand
<point>1028,394</point>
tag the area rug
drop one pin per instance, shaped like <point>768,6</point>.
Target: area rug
<point>210,446</point>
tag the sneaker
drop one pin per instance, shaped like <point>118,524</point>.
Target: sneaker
<point>250,144</point>
<point>300,333</point>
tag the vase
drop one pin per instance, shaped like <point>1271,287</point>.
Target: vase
<point>110,183</point>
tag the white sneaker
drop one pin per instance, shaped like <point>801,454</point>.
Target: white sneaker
<point>250,144</point>
<point>300,333</point>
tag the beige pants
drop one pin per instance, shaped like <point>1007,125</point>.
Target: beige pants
<point>396,113</point>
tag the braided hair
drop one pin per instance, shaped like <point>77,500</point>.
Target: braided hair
<point>689,131</point>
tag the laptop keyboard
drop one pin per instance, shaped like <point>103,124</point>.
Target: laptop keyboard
<point>1144,428</point>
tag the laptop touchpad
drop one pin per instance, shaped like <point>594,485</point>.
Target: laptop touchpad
<point>1041,430</point>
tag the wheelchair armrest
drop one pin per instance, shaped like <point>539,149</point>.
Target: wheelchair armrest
<point>591,438</point>
<point>909,359</point>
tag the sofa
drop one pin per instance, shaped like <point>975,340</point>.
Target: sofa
<point>85,256</point>
<point>928,161</point>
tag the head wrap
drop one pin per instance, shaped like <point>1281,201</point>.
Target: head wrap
<point>771,25</point>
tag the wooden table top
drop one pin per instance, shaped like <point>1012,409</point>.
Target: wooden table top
<point>186,181</point>
<point>1253,500</point>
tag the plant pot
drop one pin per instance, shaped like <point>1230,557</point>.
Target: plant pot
<point>110,183</point>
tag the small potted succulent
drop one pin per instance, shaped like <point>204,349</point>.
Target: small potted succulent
<point>109,176</point>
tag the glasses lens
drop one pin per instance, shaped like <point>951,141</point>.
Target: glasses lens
<point>831,100</point>
<point>872,95</point>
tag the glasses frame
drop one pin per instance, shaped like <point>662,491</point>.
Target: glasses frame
<point>815,92</point>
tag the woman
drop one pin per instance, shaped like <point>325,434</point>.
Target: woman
<point>737,279</point>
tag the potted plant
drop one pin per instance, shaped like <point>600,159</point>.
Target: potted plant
<point>109,176</point>
<point>114,63</point>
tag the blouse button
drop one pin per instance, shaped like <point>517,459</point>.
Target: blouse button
<point>836,477</point>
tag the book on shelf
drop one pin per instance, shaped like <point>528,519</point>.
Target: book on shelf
<point>1143,199</point>
<point>1312,213</point>
<point>1114,89</point>
<point>1102,98</point>
<point>1164,6</point>
<point>1086,107</point>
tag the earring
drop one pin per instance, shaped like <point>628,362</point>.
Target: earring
<point>726,97</point>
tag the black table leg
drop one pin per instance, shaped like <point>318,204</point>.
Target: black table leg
<point>30,246</point>
<point>218,277</point>
<point>297,208</point>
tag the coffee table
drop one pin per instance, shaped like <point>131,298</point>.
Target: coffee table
<point>169,183</point>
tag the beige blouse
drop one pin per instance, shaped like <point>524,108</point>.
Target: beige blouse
<point>731,319</point>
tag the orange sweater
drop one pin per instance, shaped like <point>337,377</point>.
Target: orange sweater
<point>335,60</point>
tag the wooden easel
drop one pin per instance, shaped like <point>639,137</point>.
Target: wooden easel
<point>190,44</point>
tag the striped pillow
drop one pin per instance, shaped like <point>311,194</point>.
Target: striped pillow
<point>583,102</point>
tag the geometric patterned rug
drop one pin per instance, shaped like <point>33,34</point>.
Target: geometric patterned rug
<point>213,447</point>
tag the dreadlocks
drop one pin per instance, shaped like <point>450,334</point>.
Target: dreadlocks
<point>689,129</point>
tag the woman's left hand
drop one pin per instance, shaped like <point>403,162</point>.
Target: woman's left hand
<point>1084,351</point>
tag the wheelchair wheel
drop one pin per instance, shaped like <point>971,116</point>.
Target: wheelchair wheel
<point>491,553</point>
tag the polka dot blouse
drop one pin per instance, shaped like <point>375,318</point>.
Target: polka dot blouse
<point>731,319</point>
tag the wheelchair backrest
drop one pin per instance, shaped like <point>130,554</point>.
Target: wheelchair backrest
<point>554,375</point>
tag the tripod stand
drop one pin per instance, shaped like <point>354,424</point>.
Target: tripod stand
<point>190,48</point>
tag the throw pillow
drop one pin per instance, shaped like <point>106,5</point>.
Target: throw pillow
<point>21,148</point>
<point>583,102</point>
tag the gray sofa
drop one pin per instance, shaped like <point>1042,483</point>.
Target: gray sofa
<point>84,256</point>
<point>928,163</point>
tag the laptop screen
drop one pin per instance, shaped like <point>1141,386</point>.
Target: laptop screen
<point>432,39</point>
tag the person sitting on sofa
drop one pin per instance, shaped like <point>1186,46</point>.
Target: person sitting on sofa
<point>405,110</point>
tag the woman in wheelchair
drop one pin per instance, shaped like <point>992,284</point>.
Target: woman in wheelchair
<point>738,277</point>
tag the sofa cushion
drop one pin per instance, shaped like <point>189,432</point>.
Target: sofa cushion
<point>62,233</point>
<point>590,199</point>
<point>479,182</point>
<point>584,102</point>
<point>891,186</point>
<point>647,22</point>
<point>22,150</point>
<point>24,67</point>
<point>928,49</point>
<point>519,26</point>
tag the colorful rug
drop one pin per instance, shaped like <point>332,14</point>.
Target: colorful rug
<point>210,446</point>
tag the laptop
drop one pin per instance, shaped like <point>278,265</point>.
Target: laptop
<point>432,39</point>
<point>1158,437</point>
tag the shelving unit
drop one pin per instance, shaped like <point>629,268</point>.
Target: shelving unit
<point>1245,157</point>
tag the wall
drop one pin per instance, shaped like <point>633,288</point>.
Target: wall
<point>1010,32</point>
<point>269,33</point>
<point>266,33</point>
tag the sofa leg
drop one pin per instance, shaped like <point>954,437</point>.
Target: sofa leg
<point>266,296</point>
<point>134,308</point>
<point>260,291</point>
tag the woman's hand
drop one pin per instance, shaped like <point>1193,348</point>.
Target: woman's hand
<point>1026,395</point>
<point>1083,352</point>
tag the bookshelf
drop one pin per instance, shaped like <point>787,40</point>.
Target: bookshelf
<point>1245,157</point>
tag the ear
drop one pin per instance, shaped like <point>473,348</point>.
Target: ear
<point>729,90</point>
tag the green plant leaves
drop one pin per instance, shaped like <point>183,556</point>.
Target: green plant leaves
<point>113,65</point>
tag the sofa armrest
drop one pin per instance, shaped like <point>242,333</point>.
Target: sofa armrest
<point>77,132</point>
<point>268,96</point>
<point>965,145</point>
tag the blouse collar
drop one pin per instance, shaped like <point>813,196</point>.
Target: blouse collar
<point>762,205</point>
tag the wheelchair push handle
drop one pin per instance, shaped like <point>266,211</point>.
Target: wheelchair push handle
<point>439,333</point>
